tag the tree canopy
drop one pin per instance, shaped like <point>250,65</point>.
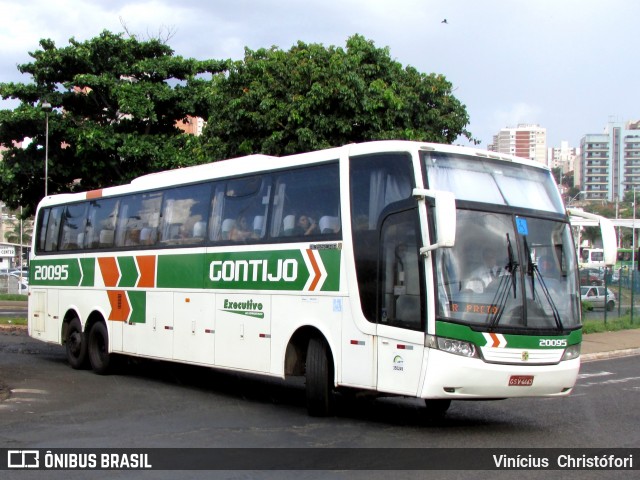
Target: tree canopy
<point>311,97</point>
<point>115,103</point>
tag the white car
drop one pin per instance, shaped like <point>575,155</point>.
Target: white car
<point>596,297</point>
<point>13,283</point>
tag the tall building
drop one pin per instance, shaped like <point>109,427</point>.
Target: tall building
<point>192,125</point>
<point>610,162</point>
<point>525,141</point>
<point>563,157</point>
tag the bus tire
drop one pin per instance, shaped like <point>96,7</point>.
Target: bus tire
<point>319,379</point>
<point>437,408</point>
<point>98,348</point>
<point>76,345</point>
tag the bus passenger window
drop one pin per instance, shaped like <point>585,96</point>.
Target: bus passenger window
<point>52,227</point>
<point>101,223</point>
<point>307,202</point>
<point>73,226</point>
<point>184,215</point>
<point>138,219</point>
<point>246,205</point>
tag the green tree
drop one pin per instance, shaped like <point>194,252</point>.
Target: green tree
<point>311,97</point>
<point>115,102</point>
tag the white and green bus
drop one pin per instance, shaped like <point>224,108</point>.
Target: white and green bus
<point>355,267</point>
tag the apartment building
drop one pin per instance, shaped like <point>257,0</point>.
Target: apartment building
<point>610,162</point>
<point>525,141</point>
<point>563,157</point>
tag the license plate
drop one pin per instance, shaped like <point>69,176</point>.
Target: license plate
<point>520,380</point>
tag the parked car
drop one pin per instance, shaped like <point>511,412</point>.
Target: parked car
<point>591,276</point>
<point>12,283</point>
<point>596,297</point>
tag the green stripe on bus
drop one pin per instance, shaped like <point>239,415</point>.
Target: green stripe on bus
<point>138,301</point>
<point>180,271</point>
<point>128,272</point>
<point>463,332</point>
<point>88,267</point>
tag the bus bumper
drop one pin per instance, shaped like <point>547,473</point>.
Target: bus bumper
<point>456,377</point>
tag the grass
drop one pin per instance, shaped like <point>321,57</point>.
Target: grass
<point>612,325</point>
<point>13,321</point>
<point>12,298</point>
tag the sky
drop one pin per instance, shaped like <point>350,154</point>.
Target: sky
<point>567,65</point>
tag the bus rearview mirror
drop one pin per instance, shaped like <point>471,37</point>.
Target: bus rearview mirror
<point>445,217</point>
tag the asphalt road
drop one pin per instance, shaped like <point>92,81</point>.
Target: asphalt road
<point>46,404</point>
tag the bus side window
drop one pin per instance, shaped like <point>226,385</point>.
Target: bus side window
<point>73,226</point>
<point>138,219</point>
<point>101,223</point>
<point>246,205</point>
<point>307,202</point>
<point>53,229</point>
<point>184,215</point>
<point>43,220</point>
<point>376,182</point>
<point>401,303</point>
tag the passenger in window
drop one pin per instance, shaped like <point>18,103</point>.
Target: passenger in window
<point>484,276</point>
<point>241,231</point>
<point>306,225</point>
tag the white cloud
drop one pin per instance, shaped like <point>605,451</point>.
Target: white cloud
<point>516,114</point>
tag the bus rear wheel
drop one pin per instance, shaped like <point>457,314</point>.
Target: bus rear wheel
<point>319,379</point>
<point>76,345</point>
<point>98,348</point>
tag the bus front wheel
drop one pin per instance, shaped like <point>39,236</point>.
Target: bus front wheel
<point>76,345</point>
<point>319,379</point>
<point>437,408</point>
<point>98,348</point>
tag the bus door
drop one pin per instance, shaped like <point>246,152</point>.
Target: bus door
<point>401,322</point>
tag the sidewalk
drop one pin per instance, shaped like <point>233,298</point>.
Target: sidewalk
<point>598,346</point>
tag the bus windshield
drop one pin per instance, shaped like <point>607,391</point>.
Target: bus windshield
<point>507,270</point>
<point>489,181</point>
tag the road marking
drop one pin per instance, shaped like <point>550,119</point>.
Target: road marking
<point>597,374</point>
<point>611,382</point>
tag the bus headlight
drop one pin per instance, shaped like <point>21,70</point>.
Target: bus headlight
<point>571,352</point>
<point>457,347</point>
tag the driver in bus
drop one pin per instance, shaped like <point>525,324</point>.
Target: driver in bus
<point>482,277</point>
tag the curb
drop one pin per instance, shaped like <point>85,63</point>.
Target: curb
<point>592,357</point>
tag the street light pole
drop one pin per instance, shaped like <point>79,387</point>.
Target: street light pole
<point>633,253</point>
<point>46,106</point>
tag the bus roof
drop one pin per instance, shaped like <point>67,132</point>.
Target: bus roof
<point>258,162</point>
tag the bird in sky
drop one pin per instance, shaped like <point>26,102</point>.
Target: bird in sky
<point>444,21</point>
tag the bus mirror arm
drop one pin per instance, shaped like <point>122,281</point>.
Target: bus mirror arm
<point>445,217</point>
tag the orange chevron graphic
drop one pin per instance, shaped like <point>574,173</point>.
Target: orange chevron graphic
<point>147,268</point>
<point>316,271</point>
<point>120,307</point>
<point>109,269</point>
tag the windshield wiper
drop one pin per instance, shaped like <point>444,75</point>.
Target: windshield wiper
<point>512,266</point>
<point>533,271</point>
<point>547,294</point>
<point>502,295</point>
